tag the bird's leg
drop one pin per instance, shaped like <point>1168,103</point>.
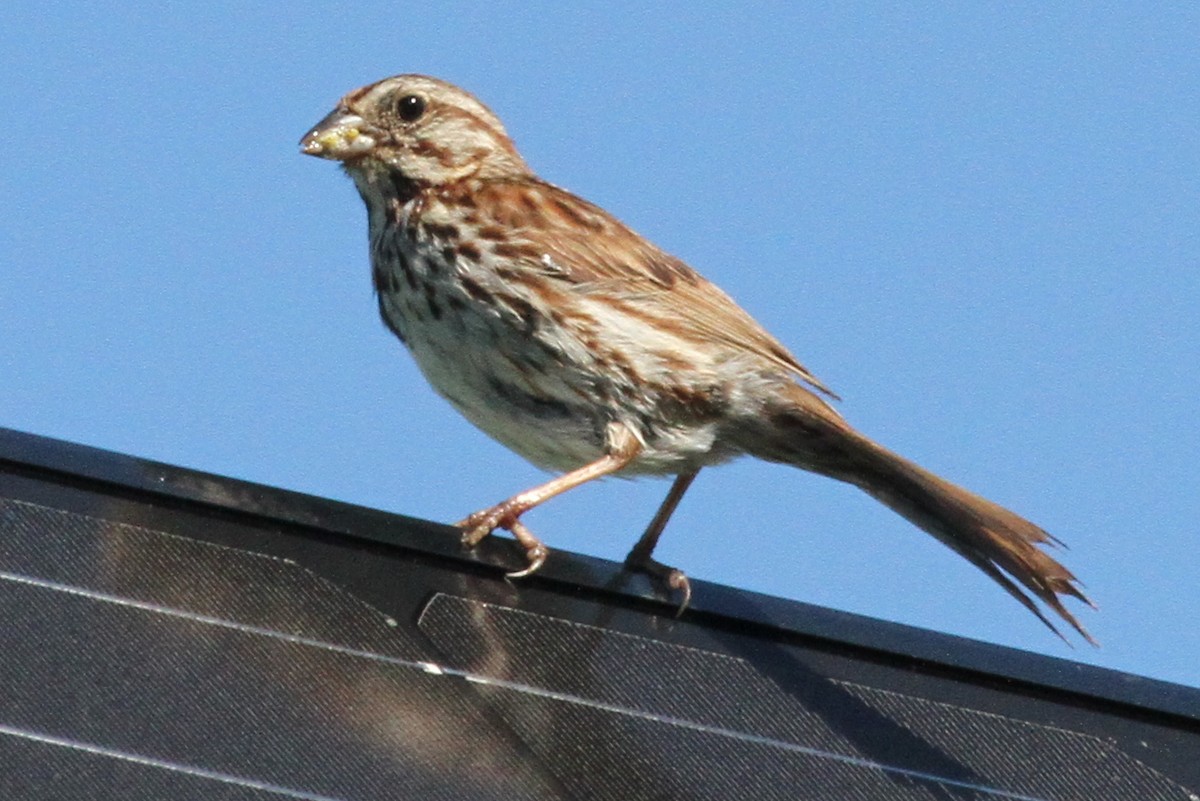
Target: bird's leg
<point>639,557</point>
<point>622,446</point>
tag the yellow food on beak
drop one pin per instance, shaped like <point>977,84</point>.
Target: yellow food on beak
<point>339,136</point>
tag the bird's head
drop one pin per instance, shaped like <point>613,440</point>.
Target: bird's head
<point>427,131</point>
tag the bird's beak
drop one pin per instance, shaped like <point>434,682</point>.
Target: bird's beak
<point>340,136</point>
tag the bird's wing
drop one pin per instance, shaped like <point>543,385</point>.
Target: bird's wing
<point>585,246</point>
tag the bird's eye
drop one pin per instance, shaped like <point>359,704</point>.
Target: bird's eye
<point>410,107</point>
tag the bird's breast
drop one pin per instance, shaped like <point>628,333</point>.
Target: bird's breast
<point>516,363</point>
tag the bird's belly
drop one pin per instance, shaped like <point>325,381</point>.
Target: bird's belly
<point>542,402</point>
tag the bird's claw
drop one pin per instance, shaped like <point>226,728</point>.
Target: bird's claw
<point>677,580</point>
<point>535,551</point>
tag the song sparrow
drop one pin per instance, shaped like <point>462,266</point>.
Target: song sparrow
<point>587,350</point>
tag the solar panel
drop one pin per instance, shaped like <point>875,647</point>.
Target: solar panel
<point>171,634</point>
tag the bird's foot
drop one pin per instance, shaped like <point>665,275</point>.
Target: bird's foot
<point>506,515</point>
<point>673,578</point>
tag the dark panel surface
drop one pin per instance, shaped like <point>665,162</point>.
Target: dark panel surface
<point>167,634</point>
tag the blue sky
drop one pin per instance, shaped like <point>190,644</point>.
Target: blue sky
<point>976,224</point>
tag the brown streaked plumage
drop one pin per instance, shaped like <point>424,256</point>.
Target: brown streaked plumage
<point>583,347</point>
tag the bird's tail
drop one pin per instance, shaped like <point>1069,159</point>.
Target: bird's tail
<point>809,434</point>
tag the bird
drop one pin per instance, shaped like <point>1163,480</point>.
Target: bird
<point>589,351</point>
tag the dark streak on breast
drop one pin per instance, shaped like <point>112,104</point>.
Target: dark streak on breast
<point>529,316</point>
<point>410,277</point>
<point>439,231</point>
<point>403,190</point>
<point>431,301</point>
<point>476,292</point>
<point>527,402</point>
